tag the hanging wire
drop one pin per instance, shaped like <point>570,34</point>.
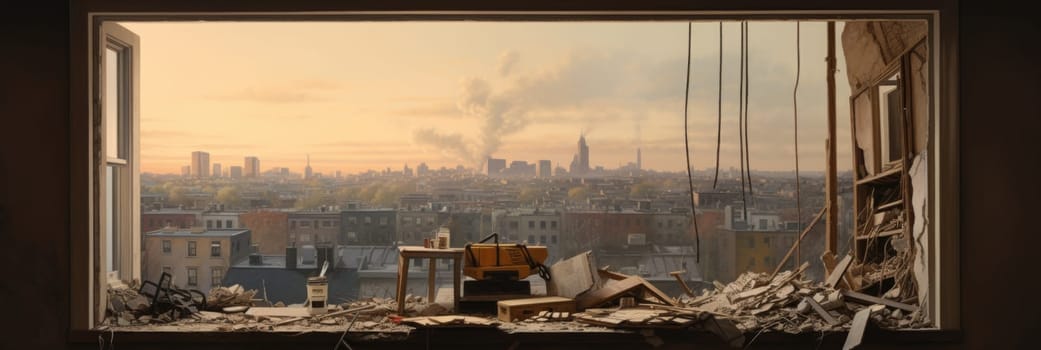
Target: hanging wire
<point>686,143</point>
<point>795,104</point>
<point>719,107</point>
<point>741,122</point>
<point>748,151</point>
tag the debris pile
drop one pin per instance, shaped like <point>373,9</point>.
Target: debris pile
<point>222,297</point>
<point>788,303</point>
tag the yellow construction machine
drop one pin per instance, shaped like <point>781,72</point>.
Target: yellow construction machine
<point>498,271</point>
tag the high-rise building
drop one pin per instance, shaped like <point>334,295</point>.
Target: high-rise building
<point>545,170</point>
<point>236,172</point>
<point>406,171</point>
<point>422,169</point>
<point>186,170</point>
<point>216,170</point>
<point>496,166</point>
<point>639,160</point>
<point>200,164</point>
<point>307,170</point>
<point>583,154</point>
<point>252,167</point>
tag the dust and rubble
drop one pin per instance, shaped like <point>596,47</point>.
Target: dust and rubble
<point>609,302</point>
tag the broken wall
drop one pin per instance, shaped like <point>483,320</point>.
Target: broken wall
<point>870,47</point>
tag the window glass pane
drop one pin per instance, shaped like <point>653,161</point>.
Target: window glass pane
<point>111,232</point>
<point>112,102</point>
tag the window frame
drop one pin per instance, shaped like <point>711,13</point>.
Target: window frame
<point>88,18</point>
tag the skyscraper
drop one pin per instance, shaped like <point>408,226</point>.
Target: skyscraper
<point>583,154</point>
<point>236,172</point>
<point>496,166</point>
<point>216,170</point>
<point>545,170</point>
<point>639,160</point>
<point>200,164</point>
<point>307,170</point>
<point>252,167</point>
<point>580,164</point>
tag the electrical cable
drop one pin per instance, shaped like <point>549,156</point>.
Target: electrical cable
<point>719,107</point>
<point>686,144</point>
<point>748,151</point>
<point>795,104</point>
<point>741,122</point>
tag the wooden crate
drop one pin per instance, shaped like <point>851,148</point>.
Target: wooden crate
<point>520,309</point>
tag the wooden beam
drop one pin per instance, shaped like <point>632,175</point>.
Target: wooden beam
<point>831,181</point>
<point>869,299</point>
<point>796,244</point>
<point>820,311</point>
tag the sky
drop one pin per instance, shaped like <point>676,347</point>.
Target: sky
<point>371,95</point>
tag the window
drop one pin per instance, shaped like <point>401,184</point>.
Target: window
<point>292,223</point>
<point>763,224</point>
<point>542,225</point>
<point>531,239</point>
<point>191,248</point>
<point>216,276</point>
<point>749,242</point>
<point>383,221</point>
<point>227,223</point>
<point>193,276</point>
<point>305,223</point>
<point>209,223</point>
<point>368,220</point>
<point>513,225</point>
<point>219,224</point>
<point>215,248</point>
<point>327,223</point>
<point>352,220</point>
<point>167,246</point>
<point>553,224</point>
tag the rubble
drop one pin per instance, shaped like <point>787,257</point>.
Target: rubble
<point>222,297</point>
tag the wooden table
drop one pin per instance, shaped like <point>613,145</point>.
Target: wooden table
<point>406,253</point>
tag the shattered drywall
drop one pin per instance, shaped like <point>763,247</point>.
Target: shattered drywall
<point>871,45</point>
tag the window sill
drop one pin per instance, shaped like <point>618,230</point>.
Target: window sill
<point>453,337</point>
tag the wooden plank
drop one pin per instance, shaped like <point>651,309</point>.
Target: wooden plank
<point>869,300</point>
<point>279,311</point>
<point>608,292</point>
<point>821,311</point>
<point>856,330</point>
<point>650,288</point>
<point>840,270</point>
<point>520,309</point>
<point>796,244</point>
<point>343,312</point>
<point>571,277</point>
<point>431,278</point>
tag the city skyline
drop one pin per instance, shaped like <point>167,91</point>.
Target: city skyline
<point>512,90</point>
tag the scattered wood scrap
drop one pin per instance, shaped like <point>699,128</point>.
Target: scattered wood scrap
<point>449,321</point>
<point>637,317</point>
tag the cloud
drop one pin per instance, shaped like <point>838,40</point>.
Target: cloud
<point>299,91</point>
<point>507,60</point>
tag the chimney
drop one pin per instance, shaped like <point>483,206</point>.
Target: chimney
<point>290,258</point>
<point>326,253</point>
<point>255,259</point>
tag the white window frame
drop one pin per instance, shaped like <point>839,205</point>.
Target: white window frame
<point>87,26</point>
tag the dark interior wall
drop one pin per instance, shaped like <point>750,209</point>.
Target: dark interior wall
<point>999,82</point>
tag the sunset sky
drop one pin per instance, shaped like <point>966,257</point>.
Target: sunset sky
<point>371,95</point>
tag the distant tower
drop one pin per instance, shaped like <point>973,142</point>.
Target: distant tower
<point>580,166</point>
<point>307,170</point>
<point>251,167</point>
<point>200,164</point>
<point>639,160</point>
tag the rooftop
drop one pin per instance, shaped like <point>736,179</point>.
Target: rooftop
<point>197,232</point>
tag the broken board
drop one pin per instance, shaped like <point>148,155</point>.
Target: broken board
<point>575,276</point>
<point>520,309</point>
<point>279,311</point>
<point>609,292</point>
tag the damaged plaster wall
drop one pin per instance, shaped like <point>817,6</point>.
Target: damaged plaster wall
<point>869,47</point>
